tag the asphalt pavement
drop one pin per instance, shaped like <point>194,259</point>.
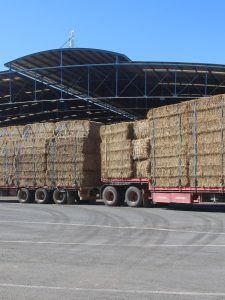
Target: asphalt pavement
<point>98,252</point>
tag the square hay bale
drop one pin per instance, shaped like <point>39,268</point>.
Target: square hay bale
<point>142,169</point>
<point>30,162</point>
<point>142,129</point>
<point>116,159</point>
<point>77,128</point>
<point>73,161</point>
<point>7,162</point>
<point>11,133</point>
<point>116,132</point>
<point>141,149</point>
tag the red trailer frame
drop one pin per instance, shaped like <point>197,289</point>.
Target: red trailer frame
<point>168,195</point>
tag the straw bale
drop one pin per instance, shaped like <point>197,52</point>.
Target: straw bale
<point>125,172</point>
<point>170,172</point>
<point>142,169</point>
<point>70,160</point>
<point>45,129</point>
<point>7,161</point>
<point>170,162</point>
<point>117,132</point>
<point>107,148</point>
<point>171,181</point>
<point>162,111</point>
<point>141,149</point>
<point>142,129</point>
<point>77,128</point>
<point>211,181</point>
<point>11,133</point>
<point>76,144</point>
<point>30,162</point>
<point>116,159</point>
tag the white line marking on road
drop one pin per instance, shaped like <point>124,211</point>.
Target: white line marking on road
<point>116,291</point>
<point>114,227</point>
<point>109,244</point>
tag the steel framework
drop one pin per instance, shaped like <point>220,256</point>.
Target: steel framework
<point>99,85</point>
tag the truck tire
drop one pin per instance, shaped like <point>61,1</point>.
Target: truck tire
<point>25,196</point>
<point>133,197</point>
<point>59,196</point>
<point>42,196</point>
<point>111,196</point>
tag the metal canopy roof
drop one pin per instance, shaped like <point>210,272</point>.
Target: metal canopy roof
<point>99,85</point>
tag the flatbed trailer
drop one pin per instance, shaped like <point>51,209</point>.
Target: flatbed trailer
<point>49,194</point>
<point>140,192</point>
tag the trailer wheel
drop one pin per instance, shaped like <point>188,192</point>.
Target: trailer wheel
<point>59,196</point>
<point>25,196</point>
<point>133,197</point>
<point>41,196</point>
<point>110,196</point>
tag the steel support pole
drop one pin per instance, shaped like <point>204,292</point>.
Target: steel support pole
<point>61,73</point>
<point>146,84</point>
<point>117,74</point>
<point>175,83</point>
<point>35,88</point>
<point>10,84</point>
<point>206,82</point>
<point>88,83</point>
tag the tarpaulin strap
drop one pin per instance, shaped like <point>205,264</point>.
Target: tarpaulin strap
<point>153,151</point>
<point>6,163</point>
<point>195,147</point>
<point>75,160</point>
<point>149,148</point>
<point>222,144</point>
<point>53,157</point>
<point>179,145</point>
<point>17,163</point>
<point>33,162</point>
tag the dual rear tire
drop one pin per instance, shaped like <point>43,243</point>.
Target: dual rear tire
<point>113,196</point>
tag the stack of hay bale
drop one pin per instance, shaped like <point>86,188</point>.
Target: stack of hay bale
<point>142,149</point>
<point>189,143</point>
<point>30,151</point>
<point>168,156</point>
<point>205,141</point>
<point>8,138</point>
<point>116,150</point>
<point>73,154</point>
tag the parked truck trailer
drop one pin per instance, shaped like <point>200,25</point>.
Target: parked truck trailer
<point>175,155</point>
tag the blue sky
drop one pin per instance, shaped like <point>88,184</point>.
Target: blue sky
<point>151,30</point>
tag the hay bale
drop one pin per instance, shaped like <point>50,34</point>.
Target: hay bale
<point>38,130</point>
<point>142,169</point>
<point>116,159</point>
<point>11,133</point>
<point>73,161</point>
<point>7,162</point>
<point>30,162</point>
<point>116,132</point>
<point>141,149</point>
<point>142,129</point>
<point>77,128</point>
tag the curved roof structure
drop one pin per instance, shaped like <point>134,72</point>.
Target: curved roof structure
<point>98,85</point>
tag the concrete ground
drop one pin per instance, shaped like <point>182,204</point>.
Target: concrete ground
<point>98,252</point>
